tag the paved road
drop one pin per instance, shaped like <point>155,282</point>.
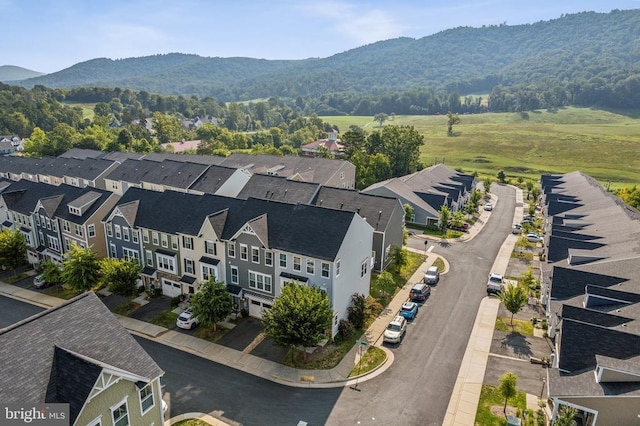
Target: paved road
<point>12,311</point>
<point>417,388</point>
<point>193,384</point>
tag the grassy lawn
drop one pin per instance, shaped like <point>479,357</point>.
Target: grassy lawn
<point>62,292</point>
<point>15,278</point>
<point>600,143</point>
<point>490,397</point>
<point>192,422</point>
<point>126,308</point>
<point>439,263</point>
<point>166,319</point>
<point>522,255</point>
<point>324,362</point>
<point>372,358</point>
<point>519,326</point>
<point>209,333</point>
<point>384,293</point>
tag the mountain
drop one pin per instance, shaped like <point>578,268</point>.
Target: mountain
<point>576,46</point>
<point>13,73</point>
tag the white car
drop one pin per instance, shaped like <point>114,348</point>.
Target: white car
<point>494,283</point>
<point>187,320</point>
<point>39,281</point>
<point>534,238</point>
<point>488,207</point>
<point>395,330</point>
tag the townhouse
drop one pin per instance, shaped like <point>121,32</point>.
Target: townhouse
<point>591,290</point>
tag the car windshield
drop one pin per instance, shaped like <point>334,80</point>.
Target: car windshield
<point>393,327</point>
<point>496,279</point>
<point>185,316</point>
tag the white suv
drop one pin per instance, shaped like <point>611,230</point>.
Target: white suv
<point>395,330</point>
<point>494,283</point>
<point>187,320</point>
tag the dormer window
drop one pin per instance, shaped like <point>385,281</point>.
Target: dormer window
<point>76,211</point>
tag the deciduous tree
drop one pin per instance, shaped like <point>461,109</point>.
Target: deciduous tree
<point>508,388</point>
<point>120,275</point>
<point>80,268</point>
<point>13,249</point>
<point>212,303</point>
<point>452,120</point>
<point>513,297</point>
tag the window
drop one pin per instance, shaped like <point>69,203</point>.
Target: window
<point>54,244</point>
<point>166,263</point>
<point>155,238</point>
<point>149,256</point>
<point>113,251</point>
<point>135,236</point>
<point>234,275</point>
<point>187,242</point>
<point>231,249</point>
<point>91,230</point>
<point>255,254</point>
<point>48,222</point>
<point>189,267</point>
<point>174,242</point>
<point>210,248</point>
<point>125,234</point>
<point>109,230</point>
<point>341,175</point>
<point>311,267</point>
<point>244,252</point>
<point>41,235</point>
<point>118,231</point>
<point>44,223</point>
<point>80,231</point>
<point>363,268</point>
<point>54,224</point>
<point>145,236</point>
<point>260,281</point>
<point>283,260</point>
<point>120,415</point>
<point>208,272</point>
<point>165,240</point>
<point>38,220</point>
<point>96,422</point>
<point>338,268</point>
<point>296,264</point>
<point>67,244</point>
<point>130,254</point>
<point>268,258</point>
<point>325,270</point>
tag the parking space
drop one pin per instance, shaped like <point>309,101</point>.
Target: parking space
<point>156,306</point>
<point>242,334</point>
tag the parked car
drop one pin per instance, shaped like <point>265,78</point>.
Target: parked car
<point>432,276</point>
<point>534,238</point>
<point>458,226</point>
<point>494,283</point>
<point>395,330</point>
<point>409,310</point>
<point>187,320</point>
<point>420,292</point>
<point>517,229</point>
<point>39,281</point>
<point>488,207</point>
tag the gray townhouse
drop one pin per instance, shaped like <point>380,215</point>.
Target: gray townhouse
<point>100,371</point>
<point>254,246</point>
<point>426,191</point>
<point>591,290</point>
<point>54,217</point>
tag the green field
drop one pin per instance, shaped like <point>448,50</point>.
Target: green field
<point>602,144</point>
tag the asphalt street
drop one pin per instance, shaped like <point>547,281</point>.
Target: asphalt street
<point>12,311</point>
<point>417,388</point>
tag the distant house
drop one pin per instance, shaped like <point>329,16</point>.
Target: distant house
<point>197,122</point>
<point>100,371</point>
<point>16,141</point>
<point>329,141</point>
<point>7,148</point>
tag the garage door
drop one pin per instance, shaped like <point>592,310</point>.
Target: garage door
<point>256,307</point>
<point>170,288</point>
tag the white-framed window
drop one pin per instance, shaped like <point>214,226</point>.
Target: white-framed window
<point>189,267</point>
<point>120,414</point>
<point>324,270</point>
<point>145,236</point>
<point>210,248</point>
<point>67,244</point>
<point>130,254</point>
<point>54,224</point>
<point>149,257</point>
<point>164,240</point>
<point>234,275</point>
<point>146,398</point>
<point>268,258</point>
<point>125,234</point>
<point>174,242</point>
<point>91,230</point>
<point>38,220</point>
<point>113,250</point>
<point>311,267</point>
<point>231,250</point>
<point>96,422</point>
<point>208,272</point>
<point>297,263</point>
<point>42,221</point>
<point>109,230</point>
<point>283,260</point>
<point>54,244</point>
<point>338,268</point>
<point>41,236</point>
<point>155,238</point>
<point>79,230</point>
<point>118,231</point>
<point>48,222</point>
<point>187,242</point>
<point>244,252</point>
<point>363,268</point>
<point>341,175</point>
<point>166,263</point>
<point>135,236</point>
<point>260,281</point>
<point>255,254</point>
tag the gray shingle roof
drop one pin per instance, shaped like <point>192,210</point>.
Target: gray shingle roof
<point>212,179</point>
<point>278,188</point>
<point>167,173</point>
<point>82,325</point>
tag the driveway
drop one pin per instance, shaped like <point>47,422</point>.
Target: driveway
<point>156,306</point>
<point>242,334</point>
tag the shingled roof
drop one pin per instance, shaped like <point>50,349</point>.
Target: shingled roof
<point>54,356</point>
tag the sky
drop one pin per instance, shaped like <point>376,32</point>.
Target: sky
<point>51,35</point>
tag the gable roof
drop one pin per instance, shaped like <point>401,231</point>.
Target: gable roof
<point>168,173</point>
<point>278,188</point>
<point>212,179</point>
<point>28,351</point>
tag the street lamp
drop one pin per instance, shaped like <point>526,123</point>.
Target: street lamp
<point>544,381</point>
<point>426,244</point>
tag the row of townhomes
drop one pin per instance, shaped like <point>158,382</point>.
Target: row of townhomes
<point>79,354</point>
<point>591,287</point>
<point>252,227</point>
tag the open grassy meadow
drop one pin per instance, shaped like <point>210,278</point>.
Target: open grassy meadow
<point>602,144</point>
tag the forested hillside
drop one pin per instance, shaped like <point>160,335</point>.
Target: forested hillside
<point>14,73</point>
<point>576,54</point>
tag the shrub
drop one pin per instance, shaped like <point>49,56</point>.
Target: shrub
<point>357,310</point>
<point>346,328</point>
<point>175,301</point>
